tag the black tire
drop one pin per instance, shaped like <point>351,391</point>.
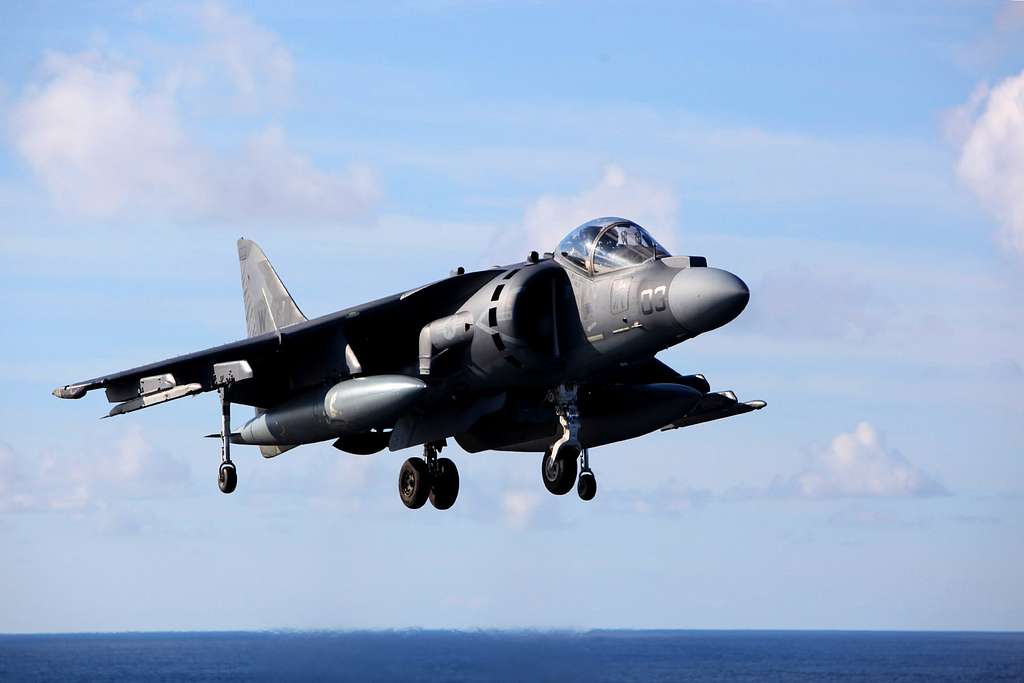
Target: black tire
<point>227,478</point>
<point>444,487</point>
<point>559,472</point>
<point>414,483</point>
<point>586,487</point>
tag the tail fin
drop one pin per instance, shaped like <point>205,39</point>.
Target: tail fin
<point>268,305</point>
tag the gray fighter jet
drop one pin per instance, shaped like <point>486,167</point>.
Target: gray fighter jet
<point>553,355</point>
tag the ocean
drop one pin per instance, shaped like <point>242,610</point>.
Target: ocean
<point>516,656</point>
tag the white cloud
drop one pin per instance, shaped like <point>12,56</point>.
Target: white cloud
<point>104,140</point>
<point>131,468</point>
<point>959,121</point>
<point>1002,42</point>
<point>857,515</point>
<point>258,64</point>
<point>859,464</point>
<point>519,508</point>
<point>99,142</point>
<point>671,497</point>
<point>13,495</point>
<point>804,303</point>
<point>991,164</point>
<point>653,205</point>
<point>323,475</point>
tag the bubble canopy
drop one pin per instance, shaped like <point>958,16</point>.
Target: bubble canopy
<point>606,244</point>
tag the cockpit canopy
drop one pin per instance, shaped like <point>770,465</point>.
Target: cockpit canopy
<point>606,244</point>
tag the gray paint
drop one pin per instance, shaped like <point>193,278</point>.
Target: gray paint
<point>614,414</point>
<point>348,407</point>
<point>704,299</point>
<point>441,421</point>
<point>470,356</point>
<point>268,305</point>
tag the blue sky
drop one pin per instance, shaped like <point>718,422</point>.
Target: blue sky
<point>861,167</point>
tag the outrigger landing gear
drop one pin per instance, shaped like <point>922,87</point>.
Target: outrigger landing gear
<point>429,477</point>
<point>227,476</point>
<point>558,468</point>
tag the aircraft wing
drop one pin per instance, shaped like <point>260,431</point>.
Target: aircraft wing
<point>715,406</point>
<point>193,369</point>
<point>379,336</point>
<point>653,371</point>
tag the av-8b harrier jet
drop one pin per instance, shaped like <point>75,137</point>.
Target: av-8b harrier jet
<point>553,355</point>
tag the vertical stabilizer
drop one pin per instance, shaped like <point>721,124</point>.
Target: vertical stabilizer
<point>268,305</point>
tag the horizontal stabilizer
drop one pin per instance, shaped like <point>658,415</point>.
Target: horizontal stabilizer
<point>274,451</point>
<point>265,451</point>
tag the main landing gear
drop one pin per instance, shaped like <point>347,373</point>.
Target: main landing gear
<point>227,476</point>
<point>559,466</point>
<point>429,477</point>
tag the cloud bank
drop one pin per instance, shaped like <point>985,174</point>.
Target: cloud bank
<point>131,469</point>
<point>106,141</point>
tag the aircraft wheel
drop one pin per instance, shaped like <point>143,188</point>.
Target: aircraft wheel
<point>444,487</point>
<point>558,471</point>
<point>586,487</point>
<point>227,477</point>
<point>414,483</point>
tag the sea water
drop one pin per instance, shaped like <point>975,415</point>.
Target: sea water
<point>516,656</point>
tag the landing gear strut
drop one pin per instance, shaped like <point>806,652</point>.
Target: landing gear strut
<point>429,477</point>
<point>227,476</point>
<point>558,468</point>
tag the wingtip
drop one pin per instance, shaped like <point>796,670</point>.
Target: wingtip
<point>756,405</point>
<point>70,391</point>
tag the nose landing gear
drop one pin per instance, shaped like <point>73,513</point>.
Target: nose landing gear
<point>444,486</point>
<point>558,468</point>
<point>429,477</point>
<point>586,487</point>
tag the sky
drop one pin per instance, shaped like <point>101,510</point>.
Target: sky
<point>859,165</point>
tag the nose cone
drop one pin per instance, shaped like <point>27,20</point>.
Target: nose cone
<point>702,299</point>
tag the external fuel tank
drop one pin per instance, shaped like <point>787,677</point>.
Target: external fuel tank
<point>349,407</point>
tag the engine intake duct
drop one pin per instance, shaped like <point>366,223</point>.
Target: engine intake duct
<point>521,321</point>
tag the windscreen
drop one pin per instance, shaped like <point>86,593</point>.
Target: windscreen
<point>625,244</point>
<point>576,245</point>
